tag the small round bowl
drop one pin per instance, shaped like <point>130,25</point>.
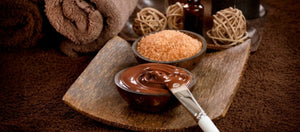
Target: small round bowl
<point>149,102</point>
<point>187,63</point>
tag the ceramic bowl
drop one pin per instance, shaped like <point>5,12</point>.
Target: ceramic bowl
<point>187,63</point>
<point>149,102</point>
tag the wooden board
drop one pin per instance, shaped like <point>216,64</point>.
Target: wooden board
<point>94,93</point>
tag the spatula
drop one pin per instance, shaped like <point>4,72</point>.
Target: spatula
<point>185,97</point>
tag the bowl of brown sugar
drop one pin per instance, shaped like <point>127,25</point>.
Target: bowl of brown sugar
<point>175,47</point>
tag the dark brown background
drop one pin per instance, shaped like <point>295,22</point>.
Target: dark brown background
<point>33,82</point>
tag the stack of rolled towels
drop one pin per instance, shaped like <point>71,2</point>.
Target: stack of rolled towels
<point>85,24</point>
<point>21,23</point>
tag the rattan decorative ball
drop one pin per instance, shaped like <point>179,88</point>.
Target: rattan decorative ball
<point>229,27</point>
<point>149,20</point>
<point>175,15</point>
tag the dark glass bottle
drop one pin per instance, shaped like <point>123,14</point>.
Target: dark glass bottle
<point>193,16</point>
<point>250,8</point>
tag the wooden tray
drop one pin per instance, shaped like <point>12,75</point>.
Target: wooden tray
<point>94,93</point>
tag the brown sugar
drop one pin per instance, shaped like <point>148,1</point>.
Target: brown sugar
<point>168,45</point>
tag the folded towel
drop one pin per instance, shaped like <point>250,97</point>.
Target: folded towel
<point>87,25</point>
<point>20,23</point>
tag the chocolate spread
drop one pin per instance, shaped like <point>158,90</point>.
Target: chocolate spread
<point>153,77</point>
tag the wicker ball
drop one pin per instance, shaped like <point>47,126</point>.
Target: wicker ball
<point>229,27</point>
<point>149,20</point>
<point>175,15</point>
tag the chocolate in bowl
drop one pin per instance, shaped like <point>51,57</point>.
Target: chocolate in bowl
<point>143,88</point>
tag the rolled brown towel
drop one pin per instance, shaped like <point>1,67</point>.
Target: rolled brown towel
<point>20,23</point>
<point>87,25</point>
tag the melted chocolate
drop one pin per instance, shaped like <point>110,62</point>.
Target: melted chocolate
<point>153,77</point>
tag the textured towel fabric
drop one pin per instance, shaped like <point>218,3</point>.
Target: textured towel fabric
<point>33,82</point>
<point>20,23</point>
<point>87,25</point>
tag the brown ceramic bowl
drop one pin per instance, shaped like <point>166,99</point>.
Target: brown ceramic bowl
<point>187,63</point>
<point>149,102</point>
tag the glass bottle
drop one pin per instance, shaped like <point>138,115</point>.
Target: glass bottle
<point>193,16</point>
